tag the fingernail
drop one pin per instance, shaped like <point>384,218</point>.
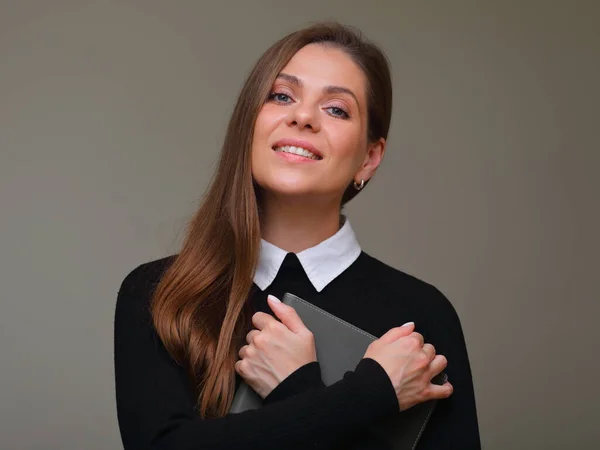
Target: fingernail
<point>408,323</point>
<point>274,299</point>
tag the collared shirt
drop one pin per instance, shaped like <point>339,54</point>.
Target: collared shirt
<point>322,263</point>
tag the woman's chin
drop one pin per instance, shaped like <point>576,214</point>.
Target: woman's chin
<point>293,189</point>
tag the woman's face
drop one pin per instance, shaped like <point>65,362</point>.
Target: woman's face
<point>310,137</point>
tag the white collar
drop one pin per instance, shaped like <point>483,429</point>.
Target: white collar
<point>322,263</point>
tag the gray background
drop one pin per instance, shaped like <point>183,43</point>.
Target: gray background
<point>111,118</point>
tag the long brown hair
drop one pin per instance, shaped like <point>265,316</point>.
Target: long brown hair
<point>200,308</point>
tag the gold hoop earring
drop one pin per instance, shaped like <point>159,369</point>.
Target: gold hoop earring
<point>357,186</point>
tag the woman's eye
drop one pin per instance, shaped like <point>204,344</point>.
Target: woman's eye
<point>279,97</point>
<point>338,112</point>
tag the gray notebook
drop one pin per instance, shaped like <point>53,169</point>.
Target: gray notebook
<point>340,347</point>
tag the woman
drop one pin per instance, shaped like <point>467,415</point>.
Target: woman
<point>307,134</point>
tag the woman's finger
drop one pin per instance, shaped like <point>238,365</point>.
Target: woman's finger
<point>288,315</point>
<point>429,351</point>
<point>418,337</point>
<point>437,365</point>
<point>237,367</point>
<point>251,335</point>
<point>438,392</point>
<point>260,320</point>
<point>243,350</point>
<point>396,333</point>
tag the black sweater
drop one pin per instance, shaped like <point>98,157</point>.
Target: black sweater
<point>156,405</point>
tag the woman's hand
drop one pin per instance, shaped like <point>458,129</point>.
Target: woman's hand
<point>275,349</point>
<point>410,364</point>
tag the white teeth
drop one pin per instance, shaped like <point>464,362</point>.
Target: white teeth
<point>297,151</point>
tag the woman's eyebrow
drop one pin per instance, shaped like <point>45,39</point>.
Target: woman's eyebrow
<point>327,89</point>
<point>290,79</point>
<point>340,90</point>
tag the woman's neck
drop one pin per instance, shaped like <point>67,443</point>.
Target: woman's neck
<point>293,226</point>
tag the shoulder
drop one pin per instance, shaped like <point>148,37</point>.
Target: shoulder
<point>436,317</point>
<point>147,275</point>
<point>400,284</point>
<point>137,287</point>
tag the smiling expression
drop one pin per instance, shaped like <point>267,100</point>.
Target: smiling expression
<point>310,136</point>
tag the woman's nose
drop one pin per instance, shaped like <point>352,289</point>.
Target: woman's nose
<point>304,116</point>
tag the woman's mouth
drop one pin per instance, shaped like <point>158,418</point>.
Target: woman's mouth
<point>290,149</point>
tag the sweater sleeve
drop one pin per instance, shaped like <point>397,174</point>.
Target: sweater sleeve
<point>303,379</point>
<point>156,406</point>
<point>454,421</point>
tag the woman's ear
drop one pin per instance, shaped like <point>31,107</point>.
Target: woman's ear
<point>373,158</point>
